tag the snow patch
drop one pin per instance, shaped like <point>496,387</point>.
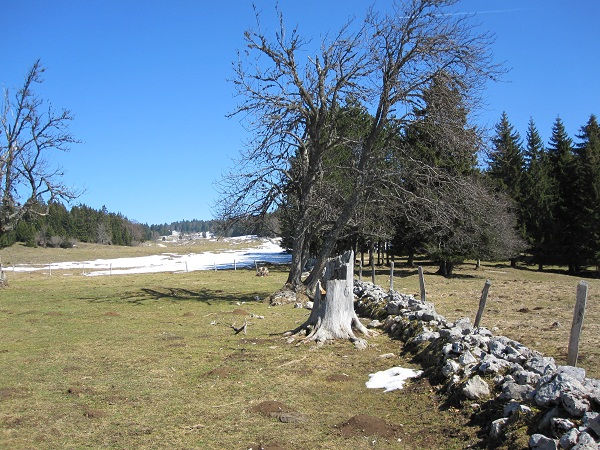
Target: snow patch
<point>391,379</point>
<point>269,251</point>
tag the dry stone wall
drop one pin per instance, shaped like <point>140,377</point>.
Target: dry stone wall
<point>558,406</point>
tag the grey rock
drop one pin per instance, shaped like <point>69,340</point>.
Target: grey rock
<point>541,442</point>
<point>575,372</point>
<point>452,334</point>
<point>540,364</point>
<point>496,348</point>
<point>491,364</point>
<point>585,442</point>
<point>569,439</point>
<point>574,404</point>
<point>550,389</point>
<point>373,323</point>
<point>464,323</point>
<point>544,423</point>
<point>560,426</point>
<point>512,407</point>
<point>476,388</point>
<point>497,428</point>
<point>592,389</point>
<point>426,336</point>
<point>450,367</point>
<point>467,358</point>
<point>592,421</point>
<point>458,347</point>
<point>514,391</point>
<point>393,307</point>
<point>446,349</point>
<point>526,377</point>
<point>309,305</point>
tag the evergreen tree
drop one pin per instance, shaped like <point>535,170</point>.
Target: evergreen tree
<point>561,248</point>
<point>587,193</point>
<point>506,161</point>
<point>537,196</point>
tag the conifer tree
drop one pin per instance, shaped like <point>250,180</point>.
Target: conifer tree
<point>506,159</point>
<point>561,247</point>
<point>587,193</point>
<point>537,195</point>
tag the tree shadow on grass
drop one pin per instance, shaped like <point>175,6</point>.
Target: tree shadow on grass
<point>176,295</point>
<point>407,272</point>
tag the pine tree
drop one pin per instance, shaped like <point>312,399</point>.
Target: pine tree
<point>537,196</point>
<point>506,161</point>
<point>561,247</point>
<point>587,193</point>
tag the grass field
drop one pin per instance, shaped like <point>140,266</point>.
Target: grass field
<point>151,361</point>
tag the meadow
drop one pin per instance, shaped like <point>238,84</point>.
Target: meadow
<point>150,360</point>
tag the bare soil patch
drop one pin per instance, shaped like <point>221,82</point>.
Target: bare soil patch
<point>188,314</point>
<point>7,393</point>
<point>91,413</point>
<point>221,371</point>
<point>278,410</point>
<point>79,390</point>
<point>338,377</point>
<point>112,314</point>
<point>365,425</point>
<point>240,312</point>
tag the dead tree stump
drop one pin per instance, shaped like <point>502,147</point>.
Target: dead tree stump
<point>333,316</point>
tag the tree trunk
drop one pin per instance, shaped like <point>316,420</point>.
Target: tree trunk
<point>387,252</point>
<point>540,266</point>
<point>446,268</point>
<point>333,316</point>
<point>411,259</point>
<point>372,262</point>
<point>294,277</point>
<point>378,253</point>
<point>478,264</point>
<point>513,263</point>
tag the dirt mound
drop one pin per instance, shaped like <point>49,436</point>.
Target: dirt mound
<point>93,413</point>
<point>364,425</point>
<point>79,390</point>
<point>338,377</point>
<point>278,410</point>
<point>112,314</point>
<point>188,314</point>
<point>240,312</point>
<point>222,371</point>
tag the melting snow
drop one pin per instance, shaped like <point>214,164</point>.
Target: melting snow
<point>269,251</point>
<point>391,379</point>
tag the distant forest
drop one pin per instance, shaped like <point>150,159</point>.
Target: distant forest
<point>60,227</point>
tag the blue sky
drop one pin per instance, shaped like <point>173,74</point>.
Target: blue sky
<point>147,83</point>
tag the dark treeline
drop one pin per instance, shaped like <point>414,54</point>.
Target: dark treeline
<point>556,190</point>
<point>59,227</point>
<point>263,227</point>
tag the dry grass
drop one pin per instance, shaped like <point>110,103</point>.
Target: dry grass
<point>535,308</point>
<point>134,361</point>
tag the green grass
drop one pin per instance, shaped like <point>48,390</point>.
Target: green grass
<point>133,361</point>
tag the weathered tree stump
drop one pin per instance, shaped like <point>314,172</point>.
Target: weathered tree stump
<point>333,316</point>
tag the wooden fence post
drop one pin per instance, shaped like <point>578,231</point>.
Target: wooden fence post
<point>422,284</point>
<point>484,294</point>
<point>392,276</point>
<point>578,313</point>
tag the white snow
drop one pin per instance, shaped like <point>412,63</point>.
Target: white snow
<point>269,251</point>
<point>391,379</point>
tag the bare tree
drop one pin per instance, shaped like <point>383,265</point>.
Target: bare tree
<point>30,131</point>
<point>293,103</point>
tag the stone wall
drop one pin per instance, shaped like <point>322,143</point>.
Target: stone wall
<point>525,396</point>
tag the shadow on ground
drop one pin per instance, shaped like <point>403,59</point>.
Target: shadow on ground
<point>175,294</point>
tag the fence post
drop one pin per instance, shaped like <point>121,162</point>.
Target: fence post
<point>578,313</point>
<point>360,271</point>
<point>110,269</point>
<point>50,269</point>
<point>484,294</point>
<point>186,267</point>
<point>215,265</point>
<point>422,284</point>
<point>392,276</point>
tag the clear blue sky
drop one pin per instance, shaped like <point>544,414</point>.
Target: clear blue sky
<point>147,83</point>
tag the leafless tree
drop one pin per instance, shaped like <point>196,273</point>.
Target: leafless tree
<point>30,131</point>
<point>292,97</point>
